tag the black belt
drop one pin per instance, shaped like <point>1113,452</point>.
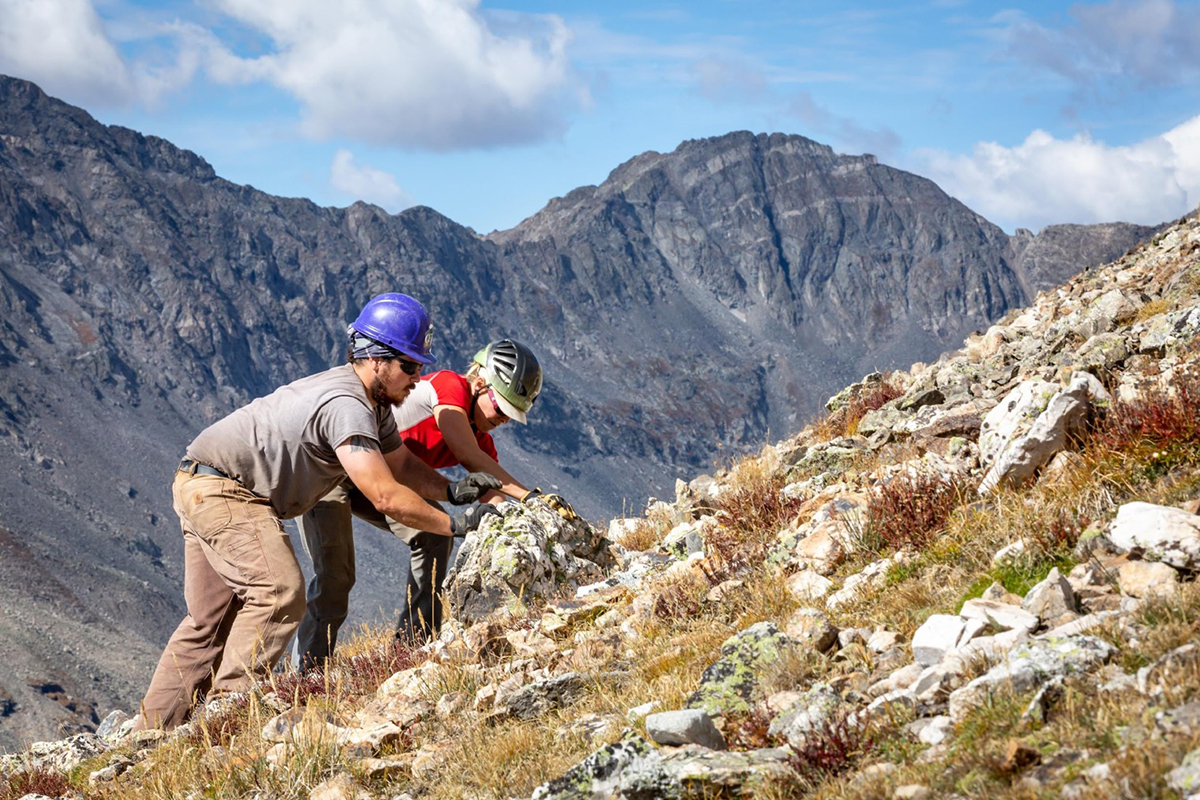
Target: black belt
<point>196,468</point>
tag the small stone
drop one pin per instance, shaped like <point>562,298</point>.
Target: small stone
<point>1052,598</point>
<point>687,726</point>
<point>810,626</point>
<point>912,791</point>
<point>1019,757</point>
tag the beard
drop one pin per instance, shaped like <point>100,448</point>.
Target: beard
<point>382,397</point>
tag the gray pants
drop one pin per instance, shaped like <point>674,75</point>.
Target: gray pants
<point>327,533</point>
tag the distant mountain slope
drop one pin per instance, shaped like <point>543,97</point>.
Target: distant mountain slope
<point>683,308</point>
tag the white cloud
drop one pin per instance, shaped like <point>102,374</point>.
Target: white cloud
<point>67,49</point>
<point>433,74</point>
<point>1045,180</point>
<point>61,45</point>
<point>364,182</point>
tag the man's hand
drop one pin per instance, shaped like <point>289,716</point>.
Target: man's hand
<point>467,521</point>
<point>471,488</point>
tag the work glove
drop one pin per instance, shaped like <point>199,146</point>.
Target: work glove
<point>467,521</point>
<point>555,501</point>
<point>471,488</point>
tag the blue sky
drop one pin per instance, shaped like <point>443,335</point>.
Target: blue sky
<point>1031,113</point>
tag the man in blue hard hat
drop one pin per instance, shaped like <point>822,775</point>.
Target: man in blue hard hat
<point>272,460</point>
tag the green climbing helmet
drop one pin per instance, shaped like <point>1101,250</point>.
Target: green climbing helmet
<point>512,370</point>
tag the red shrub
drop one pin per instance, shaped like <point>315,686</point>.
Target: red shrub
<point>911,509</point>
<point>35,781</point>
<point>829,751</point>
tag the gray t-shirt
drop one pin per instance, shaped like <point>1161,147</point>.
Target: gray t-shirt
<point>281,447</point>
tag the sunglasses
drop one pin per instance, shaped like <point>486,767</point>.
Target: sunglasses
<point>496,405</point>
<point>410,367</point>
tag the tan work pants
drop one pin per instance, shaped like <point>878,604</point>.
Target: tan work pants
<point>244,593</point>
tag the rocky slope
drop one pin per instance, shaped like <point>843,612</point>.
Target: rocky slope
<point>689,304</point>
<point>974,578</point>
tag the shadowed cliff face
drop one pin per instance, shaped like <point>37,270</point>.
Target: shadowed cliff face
<point>690,304</point>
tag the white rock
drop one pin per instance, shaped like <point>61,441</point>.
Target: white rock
<point>937,731</point>
<point>687,726</point>
<point>1001,615</point>
<point>937,636</point>
<point>1051,598</point>
<point>1166,534</point>
<point>1064,417</point>
<point>882,640</point>
<point>808,586</point>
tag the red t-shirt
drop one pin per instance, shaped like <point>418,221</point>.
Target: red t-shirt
<point>418,427</point>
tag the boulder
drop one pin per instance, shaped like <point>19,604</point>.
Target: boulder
<point>730,684</point>
<point>629,767</point>
<point>1064,417</point>
<point>1161,533</point>
<point>525,556</point>
<point>1030,666</point>
<point>686,726</point>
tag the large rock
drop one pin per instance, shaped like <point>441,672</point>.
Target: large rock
<point>525,557</point>
<point>1065,416</point>
<point>628,767</point>
<point>1030,666</point>
<point>1162,533</point>
<point>730,684</point>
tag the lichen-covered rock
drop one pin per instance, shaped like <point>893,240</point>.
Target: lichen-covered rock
<point>541,696</point>
<point>1030,666</point>
<point>526,556</point>
<point>629,767</point>
<point>729,685</point>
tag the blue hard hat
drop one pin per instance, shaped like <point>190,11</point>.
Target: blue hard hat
<point>400,322</point>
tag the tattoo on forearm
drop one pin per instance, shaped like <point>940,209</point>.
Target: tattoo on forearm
<point>363,444</point>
